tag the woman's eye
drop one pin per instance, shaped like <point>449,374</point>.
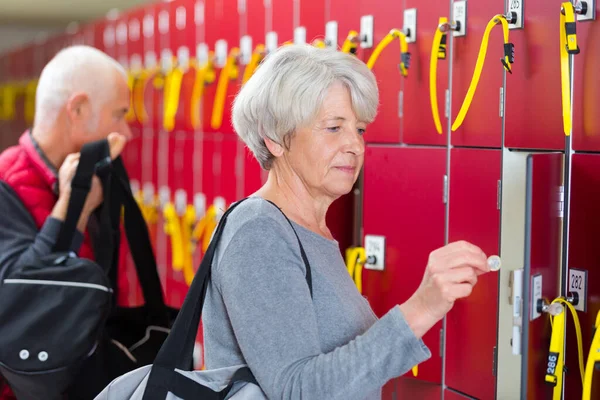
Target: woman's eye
<point>333,128</point>
<point>361,131</point>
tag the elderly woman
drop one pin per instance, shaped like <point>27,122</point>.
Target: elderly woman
<point>304,114</point>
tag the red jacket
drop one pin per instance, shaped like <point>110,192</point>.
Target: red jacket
<point>25,169</point>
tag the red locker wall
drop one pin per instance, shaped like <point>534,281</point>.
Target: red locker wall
<point>411,217</point>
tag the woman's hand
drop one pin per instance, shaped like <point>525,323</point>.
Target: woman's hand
<point>451,273</point>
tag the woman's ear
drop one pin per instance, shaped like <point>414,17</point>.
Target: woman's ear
<point>275,148</point>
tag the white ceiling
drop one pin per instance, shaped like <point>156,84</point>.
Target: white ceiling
<point>55,13</point>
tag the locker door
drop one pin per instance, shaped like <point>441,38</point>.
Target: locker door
<point>386,16</point>
<point>584,255</point>
<point>482,126</point>
<point>419,127</point>
<point>530,215</point>
<point>586,88</point>
<point>533,95</point>
<point>403,201</point>
<point>472,322</point>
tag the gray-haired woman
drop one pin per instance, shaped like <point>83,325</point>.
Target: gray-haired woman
<point>303,114</point>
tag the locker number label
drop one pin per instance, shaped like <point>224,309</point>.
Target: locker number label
<point>516,6</point>
<point>375,252</point>
<point>578,284</point>
<point>552,361</point>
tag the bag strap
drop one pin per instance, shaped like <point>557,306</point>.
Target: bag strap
<point>140,246</point>
<point>91,157</point>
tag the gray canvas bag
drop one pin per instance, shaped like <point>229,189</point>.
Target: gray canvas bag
<point>169,377</point>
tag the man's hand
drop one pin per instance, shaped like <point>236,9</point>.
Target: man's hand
<point>94,198</point>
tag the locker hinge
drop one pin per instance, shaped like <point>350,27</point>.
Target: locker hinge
<point>499,195</point>
<point>495,361</point>
<point>501,102</point>
<point>400,104</point>
<point>445,198</point>
<point>561,201</point>
<point>447,107</point>
<point>441,342</point>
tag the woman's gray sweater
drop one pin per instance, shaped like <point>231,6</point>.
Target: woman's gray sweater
<point>259,312</point>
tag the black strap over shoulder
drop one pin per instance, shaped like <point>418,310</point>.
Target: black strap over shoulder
<point>95,160</point>
<point>93,155</point>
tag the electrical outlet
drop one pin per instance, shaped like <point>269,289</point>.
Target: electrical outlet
<point>590,13</point>
<point>220,53</point>
<point>331,34</point>
<point>410,25</point>
<point>578,284</point>
<point>300,35</point>
<point>536,296</point>
<point>246,49</point>
<point>516,6</point>
<point>375,252</point>
<point>366,31</point>
<point>459,15</point>
<point>271,42</point>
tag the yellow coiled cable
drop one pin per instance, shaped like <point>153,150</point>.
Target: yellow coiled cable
<point>351,43</point>
<point>229,72</point>
<point>438,51</point>
<point>172,92</point>
<point>257,56</point>
<point>29,106</point>
<point>404,54</point>
<point>173,229</point>
<point>205,75</point>
<point>568,45</point>
<point>506,61</point>
<point>554,372</point>
<point>592,361</point>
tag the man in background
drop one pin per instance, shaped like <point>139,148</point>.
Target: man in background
<point>82,96</point>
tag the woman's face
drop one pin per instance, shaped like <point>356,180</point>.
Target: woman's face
<point>328,155</point>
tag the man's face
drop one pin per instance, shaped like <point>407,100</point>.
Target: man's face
<point>99,120</point>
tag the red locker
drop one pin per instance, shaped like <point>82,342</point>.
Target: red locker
<point>482,126</point>
<point>386,16</point>
<point>586,88</point>
<point>542,257</point>
<point>347,18</point>
<point>280,18</point>
<point>583,254</point>
<point>474,217</point>
<point>311,16</point>
<point>403,201</point>
<point>407,388</point>
<point>419,127</point>
<point>533,95</point>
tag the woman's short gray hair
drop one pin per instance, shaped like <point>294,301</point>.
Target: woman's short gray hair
<point>287,91</point>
